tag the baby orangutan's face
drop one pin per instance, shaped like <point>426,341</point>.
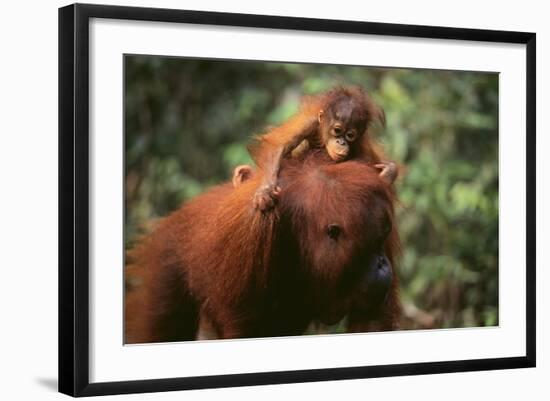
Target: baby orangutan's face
<point>341,128</point>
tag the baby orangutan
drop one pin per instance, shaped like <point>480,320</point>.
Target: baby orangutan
<point>335,122</point>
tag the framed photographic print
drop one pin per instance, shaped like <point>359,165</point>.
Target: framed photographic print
<point>250,199</point>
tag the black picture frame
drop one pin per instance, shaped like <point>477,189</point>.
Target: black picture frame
<point>74,193</point>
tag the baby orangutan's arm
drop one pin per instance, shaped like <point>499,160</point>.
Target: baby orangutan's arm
<point>266,195</point>
<point>278,143</point>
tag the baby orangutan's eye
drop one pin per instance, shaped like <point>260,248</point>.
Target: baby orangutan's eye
<point>337,130</point>
<point>333,231</point>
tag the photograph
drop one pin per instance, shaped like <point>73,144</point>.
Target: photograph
<point>267,199</point>
<point>257,199</point>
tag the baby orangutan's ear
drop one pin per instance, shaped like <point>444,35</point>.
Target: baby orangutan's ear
<point>241,174</point>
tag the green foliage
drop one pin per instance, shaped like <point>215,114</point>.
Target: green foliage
<point>188,121</point>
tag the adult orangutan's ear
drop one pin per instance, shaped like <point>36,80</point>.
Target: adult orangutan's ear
<point>241,174</point>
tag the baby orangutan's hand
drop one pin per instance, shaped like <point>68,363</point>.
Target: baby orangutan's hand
<point>266,197</point>
<point>389,171</point>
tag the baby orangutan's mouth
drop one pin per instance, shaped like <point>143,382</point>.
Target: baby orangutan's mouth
<point>337,156</point>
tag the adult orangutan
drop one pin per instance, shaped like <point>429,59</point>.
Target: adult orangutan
<point>326,251</point>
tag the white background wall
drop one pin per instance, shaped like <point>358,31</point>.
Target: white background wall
<point>28,199</point>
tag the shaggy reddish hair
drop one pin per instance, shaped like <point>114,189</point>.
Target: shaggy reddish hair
<point>252,274</point>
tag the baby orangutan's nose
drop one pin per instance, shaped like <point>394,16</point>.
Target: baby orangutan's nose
<point>341,141</point>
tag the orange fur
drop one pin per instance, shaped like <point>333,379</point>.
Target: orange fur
<point>250,274</point>
<point>265,145</point>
